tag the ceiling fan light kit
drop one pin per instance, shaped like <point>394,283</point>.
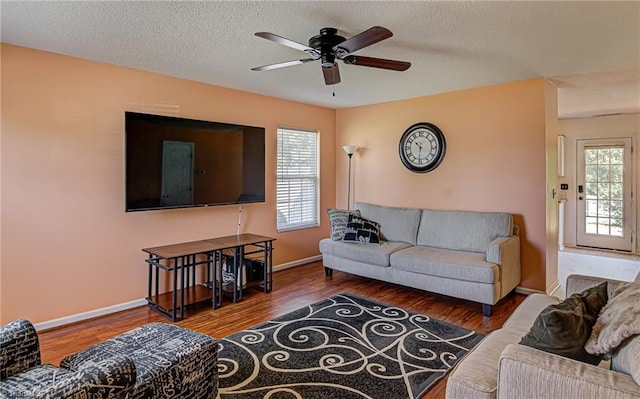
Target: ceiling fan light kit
<point>329,46</point>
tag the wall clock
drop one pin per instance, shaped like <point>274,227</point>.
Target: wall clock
<point>422,147</point>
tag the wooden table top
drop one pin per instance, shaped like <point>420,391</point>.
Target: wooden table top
<point>207,245</point>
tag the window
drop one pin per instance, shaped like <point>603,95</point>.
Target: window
<point>605,216</point>
<point>297,203</point>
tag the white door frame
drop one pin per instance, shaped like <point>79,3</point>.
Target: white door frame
<point>586,199</point>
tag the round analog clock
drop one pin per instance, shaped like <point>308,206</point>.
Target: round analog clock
<point>422,147</point>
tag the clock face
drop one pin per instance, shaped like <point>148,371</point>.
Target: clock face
<point>422,147</point>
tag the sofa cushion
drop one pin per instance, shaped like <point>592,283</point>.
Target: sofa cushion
<point>462,230</point>
<point>625,358</point>
<point>476,376</point>
<point>458,265</point>
<point>36,381</point>
<point>338,219</point>
<point>564,328</point>
<point>106,379</point>
<point>163,354</point>
<point>396,224</point>
<point>362,231</point>
<point>619,320</point>
<point>526,313</point>
<point>375,255</point>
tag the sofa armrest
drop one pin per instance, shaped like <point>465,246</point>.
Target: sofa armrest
<point>577,283</point>
<point>525,372</point>
<point>505,252</point>
<point>20,349</point>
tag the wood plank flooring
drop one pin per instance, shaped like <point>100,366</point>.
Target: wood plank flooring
<point>292,289</point>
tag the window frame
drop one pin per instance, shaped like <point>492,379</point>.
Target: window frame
<point>313,219</point>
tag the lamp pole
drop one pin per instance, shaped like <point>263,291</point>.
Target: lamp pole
<point>349,183</point>
<point>350,150</point>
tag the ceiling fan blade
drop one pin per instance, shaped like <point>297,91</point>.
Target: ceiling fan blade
<point>331,75</point>
<point>377,63</point>
<point>282,64</point>
<point>284,41</point>
<point>361,40</point>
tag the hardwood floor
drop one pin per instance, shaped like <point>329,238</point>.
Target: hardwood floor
<point>292,289</point>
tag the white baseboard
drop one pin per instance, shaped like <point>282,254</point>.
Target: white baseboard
<point>298,262</point>
<point>528,291</point>
<point>553,289</point>
<point>140,302</point>
<point>89,315</point>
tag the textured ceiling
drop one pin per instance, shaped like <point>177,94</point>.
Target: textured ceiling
<point>591,50</point>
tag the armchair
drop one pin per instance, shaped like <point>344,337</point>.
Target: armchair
<point>22,375</point>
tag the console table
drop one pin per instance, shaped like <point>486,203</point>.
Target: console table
<point>180,262</point>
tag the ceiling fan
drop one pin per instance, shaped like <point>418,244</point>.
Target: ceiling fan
<point>328,45</point>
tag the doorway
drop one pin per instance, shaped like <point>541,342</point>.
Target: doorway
<point>604,194</point>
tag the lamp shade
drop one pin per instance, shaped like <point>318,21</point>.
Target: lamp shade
<point>350,149</point>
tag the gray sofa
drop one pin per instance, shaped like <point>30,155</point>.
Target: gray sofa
<point>499,367</point>
<point>464,254</point>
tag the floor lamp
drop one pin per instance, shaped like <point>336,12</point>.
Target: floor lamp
<point>350,150</point>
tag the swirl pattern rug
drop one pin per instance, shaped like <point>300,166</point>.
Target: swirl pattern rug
<point>343,347</point>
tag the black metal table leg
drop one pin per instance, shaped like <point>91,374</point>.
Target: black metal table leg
<point>218,273</point>
<point>236,274</point>
<point>174,296</point>
<point>183,287</point>
<point>150,278</point>
<point>270,267</point>
<point>265,275</point>
<point>194,263</point>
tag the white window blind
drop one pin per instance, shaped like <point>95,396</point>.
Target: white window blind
<point>297,201</point>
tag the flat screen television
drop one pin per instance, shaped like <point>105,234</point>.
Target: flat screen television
<point>180,163</point>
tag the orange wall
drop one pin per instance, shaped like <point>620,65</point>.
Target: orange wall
<point>67,245</point>
<point>495,159</point>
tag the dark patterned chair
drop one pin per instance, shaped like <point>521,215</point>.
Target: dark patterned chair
<point>23,376</point>
<point>170,361</point>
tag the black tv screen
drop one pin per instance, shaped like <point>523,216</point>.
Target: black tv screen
<point>180,163</point>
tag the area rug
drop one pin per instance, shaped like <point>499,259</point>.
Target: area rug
<point>339,348</point>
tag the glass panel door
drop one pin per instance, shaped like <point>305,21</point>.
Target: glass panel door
<point>605,215</point>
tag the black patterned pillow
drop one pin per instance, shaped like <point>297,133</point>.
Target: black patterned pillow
<point>362,231</point>
<point>338,219</point>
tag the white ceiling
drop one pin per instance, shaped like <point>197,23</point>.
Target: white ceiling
<point>591,50</point>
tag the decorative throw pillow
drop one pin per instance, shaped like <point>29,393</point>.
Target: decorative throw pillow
<point>564,328</point>
<point>625,358</point>
<point>619,320</point>
<point>338,219</point>
<point>361,230</point>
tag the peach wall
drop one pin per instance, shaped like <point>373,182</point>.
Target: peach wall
<point>67,244</point>
<point>495,159</point>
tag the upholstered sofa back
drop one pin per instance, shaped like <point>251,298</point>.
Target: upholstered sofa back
<point>469,231</point>
<point>396,224</point>
<point>463,230</point>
